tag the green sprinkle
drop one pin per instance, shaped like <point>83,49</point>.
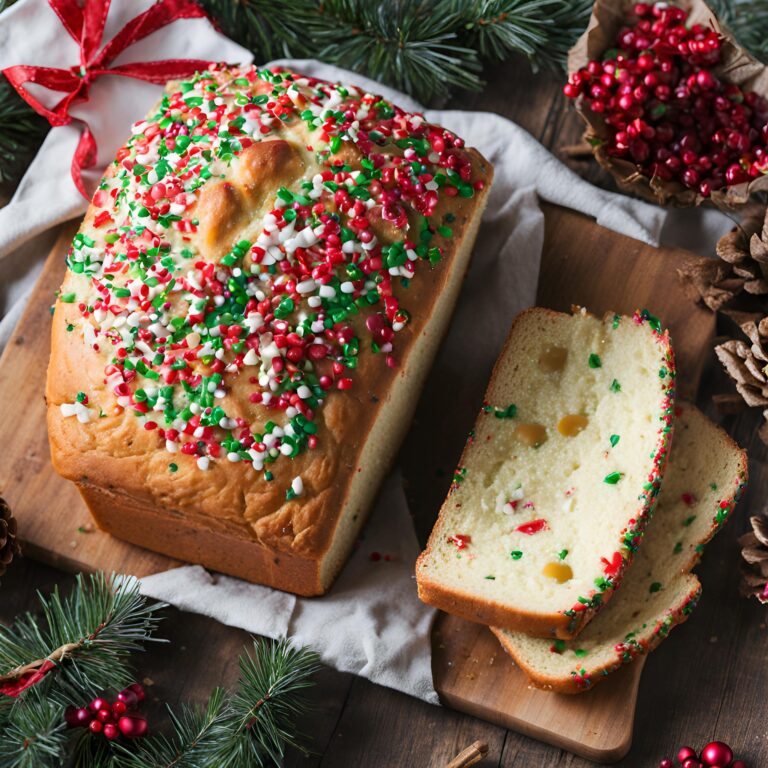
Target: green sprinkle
<point>713,486</point>
<point>595,361</point>
<point>678,548</point>
<point>612,478</point>
<point>580,652</point>
<point>67,298</point>
<point>172,467</point>
<point>516,554</point>
<point>506,413</point>
<point>70,327</point>
<point>616,320</point>
<point>614,440</point>
<point>655,587</point>
<point>80,397</point>
<point>562,554</point>
<point>491,578</point>
<point>615,386</point>
<point>558,646</point>
<point>268,476</point>
<point>689,520</point>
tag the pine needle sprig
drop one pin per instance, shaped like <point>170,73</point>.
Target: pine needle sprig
<point>87,635</point>
<point>33,731</point>
<point>250,728</point>
<point>748,20</point>
<point>21,133</point>
<point>413,45</point>
<point>268,698</point>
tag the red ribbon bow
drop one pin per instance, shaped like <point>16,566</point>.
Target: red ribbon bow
<point>86,27</point>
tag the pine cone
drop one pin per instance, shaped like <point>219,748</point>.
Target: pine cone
<point>747,364</point>
<point>9,544</point>
<point>754,551</point>
<point>742,267</point>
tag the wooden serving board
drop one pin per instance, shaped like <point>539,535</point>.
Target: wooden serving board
<point>582,264</point>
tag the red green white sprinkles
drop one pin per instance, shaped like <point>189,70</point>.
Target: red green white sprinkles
<point>183,324</point>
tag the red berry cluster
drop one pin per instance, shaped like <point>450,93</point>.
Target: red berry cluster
<point>113,720</point>
<point>665,109</point>
<point>716,754</point>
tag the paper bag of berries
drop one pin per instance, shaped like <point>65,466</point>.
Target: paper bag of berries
<point>675,109</point>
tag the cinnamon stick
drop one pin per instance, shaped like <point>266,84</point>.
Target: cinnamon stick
<point>474,753</point>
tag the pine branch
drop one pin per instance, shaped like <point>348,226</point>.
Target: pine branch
<point>268,697</point>
<point>248,729</point>
<point>33,731</point>
<point>87,635</point>
<point>748,20</point>
<point>21,133</point>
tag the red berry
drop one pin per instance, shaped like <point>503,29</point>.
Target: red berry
<point>738,764</point>
<point>95,726</point>
<point>105,715</point>
<point>666,763</point>
<point>571,91</point>
<point>111,731</point>
<point>685,753</point>
<point>132,726</point>
<point>128,697</point>
<point>98,704</point>
<point>119,707</point>
<point>692,762</point>
<point>735,174</point>
<point>716,753</point>
<point>70,716</point>
<point>138,689</point>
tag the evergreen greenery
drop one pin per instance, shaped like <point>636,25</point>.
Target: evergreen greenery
<point>427,48</point>
<point>90,636</point>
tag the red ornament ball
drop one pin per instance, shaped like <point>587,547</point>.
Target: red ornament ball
<point>685,753</point>
<point>666,763</point>
<point>716,753</point>
<point>739,764</point>
<point>119,707</point>
<point>110,731</point>
<point>132,726</point>
<point>691,762</point>
<point>95,726</point>
<point>105,715</point>
<point>77,717</point>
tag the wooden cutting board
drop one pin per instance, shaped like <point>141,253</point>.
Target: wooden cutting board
<point>582,264</point>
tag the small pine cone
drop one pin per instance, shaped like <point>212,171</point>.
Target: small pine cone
<point>9,544</point>
<point>742,266</point>
<point>747,363</point>
<point>754,552</point>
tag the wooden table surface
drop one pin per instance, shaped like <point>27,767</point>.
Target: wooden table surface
<point>708,681</point>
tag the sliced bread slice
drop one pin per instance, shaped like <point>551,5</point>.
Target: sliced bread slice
<point>703,481</point>
<point>558,478</point>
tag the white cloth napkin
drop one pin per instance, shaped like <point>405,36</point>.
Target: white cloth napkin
<point>371,623</point>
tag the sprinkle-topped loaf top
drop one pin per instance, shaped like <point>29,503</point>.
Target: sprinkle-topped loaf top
<point>250,249</point>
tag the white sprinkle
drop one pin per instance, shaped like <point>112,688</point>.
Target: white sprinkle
<point>203,462</point>
<point>327,291</point>
<point>304,392</point>
<point>297,485</point>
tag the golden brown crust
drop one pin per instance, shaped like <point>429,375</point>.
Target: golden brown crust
<point>121,468</point>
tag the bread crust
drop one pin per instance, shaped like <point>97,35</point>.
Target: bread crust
<point>229,518</point>
<point>555,625</point>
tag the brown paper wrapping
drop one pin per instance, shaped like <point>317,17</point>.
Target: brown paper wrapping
<point>736,66</point>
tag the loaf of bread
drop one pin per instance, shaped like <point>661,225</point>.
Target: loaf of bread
<point>559,477</point>
<point>250,308</point>
<point>702,483</point>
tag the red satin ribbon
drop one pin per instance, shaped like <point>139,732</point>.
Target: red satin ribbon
<point>86,27</point>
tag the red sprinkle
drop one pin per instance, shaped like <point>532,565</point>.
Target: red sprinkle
<point>535,526</point>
